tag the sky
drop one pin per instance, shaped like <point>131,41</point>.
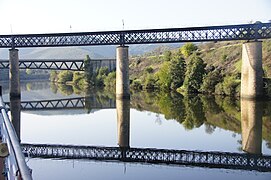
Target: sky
<point>55,16</point>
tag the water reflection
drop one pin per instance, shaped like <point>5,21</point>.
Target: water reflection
<point>123,122</point>
<point>251,120</point>
<point>15,113</point>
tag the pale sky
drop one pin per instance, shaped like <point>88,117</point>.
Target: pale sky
<point>48,16</point>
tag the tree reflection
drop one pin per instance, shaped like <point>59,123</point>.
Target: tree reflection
<point>65,89</point>
<point>195,115</point>
<point>194,111</point>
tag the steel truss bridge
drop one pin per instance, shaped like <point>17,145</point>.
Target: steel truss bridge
<point>148,36</point>
<point>69,103</point>
<point>60,64</point>
<point>153,156</point>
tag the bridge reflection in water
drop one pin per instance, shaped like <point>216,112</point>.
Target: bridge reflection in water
<point>251,117</point>
<point>68,103</point>
<point>148,155</point>
<point>251,122</point>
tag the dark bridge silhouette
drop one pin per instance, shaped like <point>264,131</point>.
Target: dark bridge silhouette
<point>153,156</point>
<point>69,103</point>
<point>194,34</point>
<point>60,64</point>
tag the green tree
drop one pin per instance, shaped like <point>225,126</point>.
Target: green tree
<point>110,80</point>
<point>188,49</point>
<point>65,89</point>
<point>77,76</point>
<point>65,76</point>
<point>194,74</point>
<point>164,76</point>
<point>102,73</point>
<point>210,81</point>
<point>230,84</point>
<point>195,115</point>
<point>136,84</point>
<point>167,55</point>
<point>150,82</point>
<point>89,71</point>
<point>53,76</point>
<point>177,71</point>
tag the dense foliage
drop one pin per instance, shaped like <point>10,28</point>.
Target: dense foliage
<point>208,69</point>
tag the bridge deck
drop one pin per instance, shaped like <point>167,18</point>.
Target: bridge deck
<point>148,36</point>
<point>154,156</point>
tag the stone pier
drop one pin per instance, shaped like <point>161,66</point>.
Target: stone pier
<point>252,71</point>
<point>122,73</point>
<point>251,123</point>
<point>14,74</point>
<point>123,122</point>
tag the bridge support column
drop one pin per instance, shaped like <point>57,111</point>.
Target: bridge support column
<point>252,72</point>
<point>251,123</point>
<point>122,73</point>
<point>15,112</point>
<point>14,74</point>
<point>123,122</point>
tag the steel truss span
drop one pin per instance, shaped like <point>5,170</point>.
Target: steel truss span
<point>148,36</point>
<point>153,156</point>
<point>58,64</point>
<point>70,103</point>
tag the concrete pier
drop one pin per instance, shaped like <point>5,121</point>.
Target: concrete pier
<point>251,123</point>
<point>15,115</point>
<point>122,73</point>
<point>252,71</point>
<point>14,74</point>
<point>123,122</point>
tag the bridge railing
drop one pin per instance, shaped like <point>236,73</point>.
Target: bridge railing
<point>16,165</point>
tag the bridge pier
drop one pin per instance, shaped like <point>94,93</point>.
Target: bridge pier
<point>252,71</point>
<point>122,73</point>
<point>15,115</point>
<point>123,122</point>
<point>14,74</point>
<point>251,123</point>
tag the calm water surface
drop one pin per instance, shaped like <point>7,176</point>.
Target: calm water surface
<point>165,121</point>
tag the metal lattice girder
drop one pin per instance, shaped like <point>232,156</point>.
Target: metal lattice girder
<point>52,104</point>
<point>172,35</point>
<point>59,64</point>
<point>69,103</point>
<point>155,156</point>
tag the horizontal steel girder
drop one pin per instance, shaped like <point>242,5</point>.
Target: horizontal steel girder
<point>148,36</point>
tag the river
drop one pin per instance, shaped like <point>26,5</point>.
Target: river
<point>148,120</point>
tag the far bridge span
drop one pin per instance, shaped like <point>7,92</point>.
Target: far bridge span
<point>61,64</point>
<point>68,103</point>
